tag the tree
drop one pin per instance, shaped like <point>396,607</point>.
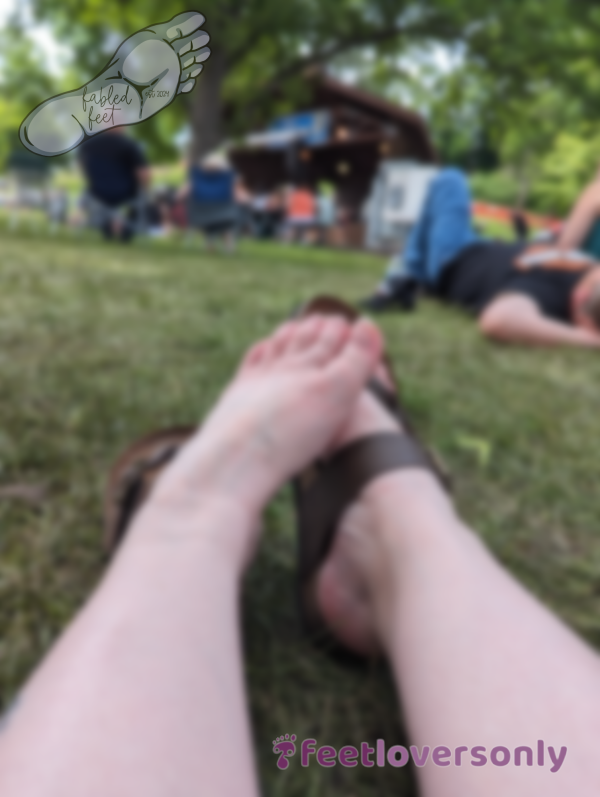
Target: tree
<point>259,47</point>
<point>567,166</point>
<point>517,75</point>
<point>24,82</point>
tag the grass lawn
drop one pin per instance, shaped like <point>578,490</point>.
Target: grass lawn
<point>100,343</point>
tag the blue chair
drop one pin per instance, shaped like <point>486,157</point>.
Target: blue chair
<point>211,202</point>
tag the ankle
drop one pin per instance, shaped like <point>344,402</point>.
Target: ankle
<point>207,526</point>
<point>409,514</point>
<point>405,503</point>
<point>217,471</point>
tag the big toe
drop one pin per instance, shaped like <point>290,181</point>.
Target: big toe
<point>183,24</point>
<point>358,357</point>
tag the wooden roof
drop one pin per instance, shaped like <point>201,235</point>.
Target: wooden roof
<point>330,92</point>
<point>364,130</point>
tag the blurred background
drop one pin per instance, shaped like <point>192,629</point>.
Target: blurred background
<point>324,93</point>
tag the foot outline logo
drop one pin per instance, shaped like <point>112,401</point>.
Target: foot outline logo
<point>148,70</point>
<point>285,748</point>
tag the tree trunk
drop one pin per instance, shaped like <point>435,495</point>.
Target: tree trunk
<point>207,106</point>
<point>524,180</point>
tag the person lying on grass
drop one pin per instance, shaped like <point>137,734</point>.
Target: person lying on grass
<point>144,694</point>
<point>543,294</point>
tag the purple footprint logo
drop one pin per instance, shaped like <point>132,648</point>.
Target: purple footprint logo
<point>284,745</point>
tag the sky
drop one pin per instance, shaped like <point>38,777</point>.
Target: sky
<point>41,34</point>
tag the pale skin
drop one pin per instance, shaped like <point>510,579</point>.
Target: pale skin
<point>582,217</point>
<point>144,692</point>
<point>513,318</point>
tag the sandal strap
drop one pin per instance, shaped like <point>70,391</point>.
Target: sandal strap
<point>384,395</point>
<point>133,490</point>
<point>324,492</point>
<point>132,477</point>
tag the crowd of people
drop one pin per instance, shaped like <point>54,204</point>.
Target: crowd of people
<point>541,293</point>
<point>214,199</point>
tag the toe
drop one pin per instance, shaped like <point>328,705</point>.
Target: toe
<point>265,351</point>
<point>184,88</point>
<point>282,336</point>
<point>326,344</point>
<point>200,40</point>
<point>304,335</point>
<point>202,54</point>
<point>359,357</point>
<point>367,336</point>
<point>192,74</point>
<point>184,24</point>
<point>194,57</point>
<point>189,43</point>
<point>253,356</point>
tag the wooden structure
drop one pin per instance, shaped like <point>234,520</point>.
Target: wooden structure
<point>362,129</point>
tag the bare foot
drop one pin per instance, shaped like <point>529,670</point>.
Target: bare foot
<point>291,397</point>
<point>352,579</point>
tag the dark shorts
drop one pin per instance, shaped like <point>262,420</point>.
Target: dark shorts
<point>484,271</point>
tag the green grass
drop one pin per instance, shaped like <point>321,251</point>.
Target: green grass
<point>100,343</point>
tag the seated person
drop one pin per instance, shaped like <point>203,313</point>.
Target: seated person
<point>301,214</point>
<point>211,196</point>
<point>267,212</point>
<point>541,294</point>
<point>117,175</point>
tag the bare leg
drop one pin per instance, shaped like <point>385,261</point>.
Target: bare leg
<point>144,694</point>
<point>511,318</point>
<point>476,658</point>
<point>582,217</point>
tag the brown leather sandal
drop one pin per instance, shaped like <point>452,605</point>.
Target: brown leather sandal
<point>326,488</point>
<point>133,475</point>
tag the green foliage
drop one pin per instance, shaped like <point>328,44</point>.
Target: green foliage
<point>562,169</point>
<point>568,165</point>
<point>518,74</point>
<point>259,47</point>
<point>498,187</point>
<point>24,83</point>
